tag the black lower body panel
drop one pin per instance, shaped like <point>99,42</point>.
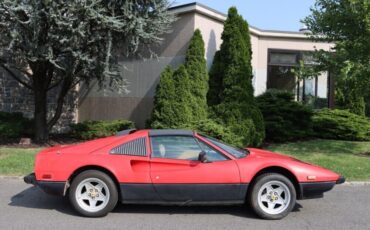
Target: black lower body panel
<point>50,187</point>
<point>314,189</point>
<point>181,194</point>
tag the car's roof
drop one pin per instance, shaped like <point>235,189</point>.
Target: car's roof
<point>170,132</point>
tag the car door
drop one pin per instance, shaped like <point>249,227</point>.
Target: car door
<point>178,175</point>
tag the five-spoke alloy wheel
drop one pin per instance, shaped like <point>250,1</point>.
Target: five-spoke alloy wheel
<point>93,193</point>
<point>272,196</point>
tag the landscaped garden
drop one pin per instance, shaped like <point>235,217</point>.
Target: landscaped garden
<point>222,104</point>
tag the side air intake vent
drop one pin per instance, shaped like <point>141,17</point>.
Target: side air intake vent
<point>132,148</point>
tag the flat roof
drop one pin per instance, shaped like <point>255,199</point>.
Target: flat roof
<point>221,17</point>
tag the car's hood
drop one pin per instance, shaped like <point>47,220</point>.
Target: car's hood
<point>268,154</point>
<point>81,148</point>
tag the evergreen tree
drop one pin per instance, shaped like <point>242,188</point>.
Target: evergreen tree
<point>232,68</point>
<point>196,67</point>
<point>215,81</point>
<point>47,45</point>
<point>165,92</point>
<point>172,102</point>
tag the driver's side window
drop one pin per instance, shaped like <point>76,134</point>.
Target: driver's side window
<point>212,154</point>
<point>175,147</point>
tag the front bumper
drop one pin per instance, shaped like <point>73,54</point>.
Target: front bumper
<point>312,190</point>
<point>51,187</point>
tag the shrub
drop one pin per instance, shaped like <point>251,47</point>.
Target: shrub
<point>231,95</point>
<point>196,66</point>
<point>13,125</point>
<point>96,129</point>
<point>341,125</point>
<point>285,119</point>
<point>214,129</point>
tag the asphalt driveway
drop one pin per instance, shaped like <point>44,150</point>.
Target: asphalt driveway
<point>26,207</point>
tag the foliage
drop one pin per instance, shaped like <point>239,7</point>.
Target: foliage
<point>96,129</point>
<point>341,125</point>
<point>58,44</point>
<point>173,100</point>
<point>347,158</point>
<point>347,24</point>
<point>196,67</point>
<point>233,102</point>
<point>14,125</point>
<point>214,129</point>
<point>348,92</point>
<point>215,80</point>
<point>285,119</point>
<point>180,96</point>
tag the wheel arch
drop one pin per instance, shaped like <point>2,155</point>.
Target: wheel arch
<point>279,170</point>
<point>98,168</point>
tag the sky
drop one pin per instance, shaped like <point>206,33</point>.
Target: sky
<point>264,14</point>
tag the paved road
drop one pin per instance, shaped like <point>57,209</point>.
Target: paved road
<point>26,207</point>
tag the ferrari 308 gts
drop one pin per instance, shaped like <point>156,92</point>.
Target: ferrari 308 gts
<point>179,167</point>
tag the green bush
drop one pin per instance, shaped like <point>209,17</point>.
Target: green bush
<point>213,129</point>
<point>231,94</point>
<point>285,119</point>
<point>96,129</point>
<point>14,125</point>
<point>341,125</point>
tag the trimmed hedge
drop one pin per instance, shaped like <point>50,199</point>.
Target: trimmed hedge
<point>341,125</point>
<point>95,129</point>
<point>14,125</point>
<point>285,119</point>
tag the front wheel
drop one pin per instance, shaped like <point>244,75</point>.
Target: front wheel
<point>273,196</point>
<point>93,193</point>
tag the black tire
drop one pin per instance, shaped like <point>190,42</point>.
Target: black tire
<point>94,174</point>
<point>257,185</point>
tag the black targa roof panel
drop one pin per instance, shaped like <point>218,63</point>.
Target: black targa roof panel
<point>170,132</point>
<point>125,132</point>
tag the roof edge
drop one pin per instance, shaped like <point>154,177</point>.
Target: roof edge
<point>221,17</point>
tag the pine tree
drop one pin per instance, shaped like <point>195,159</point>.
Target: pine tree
<point>196,67</point>
<point>172,102</point>
<point>165,92</point>
<point>233,102</point>
<point>215,81</point>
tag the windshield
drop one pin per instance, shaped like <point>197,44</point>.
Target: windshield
<point>236,152</point>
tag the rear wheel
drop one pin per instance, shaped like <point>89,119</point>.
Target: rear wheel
<point>93,193</point>
<point>273,196</point>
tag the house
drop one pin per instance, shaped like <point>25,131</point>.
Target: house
<point>274,54</point>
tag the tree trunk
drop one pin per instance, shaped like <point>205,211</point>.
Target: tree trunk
<point>40,116</point>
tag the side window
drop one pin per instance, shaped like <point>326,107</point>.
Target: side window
<point>135,147</point>
<point>175,147</point>
<point>212,154</point>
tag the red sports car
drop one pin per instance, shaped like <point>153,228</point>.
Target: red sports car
<point>178,167</point>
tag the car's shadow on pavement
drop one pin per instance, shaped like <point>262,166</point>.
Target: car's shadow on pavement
<point>34,198</point>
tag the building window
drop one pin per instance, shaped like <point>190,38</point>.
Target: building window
<point>312,91</point>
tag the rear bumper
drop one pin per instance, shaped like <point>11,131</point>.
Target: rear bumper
<point>317,189</point>
<point>50,187</point>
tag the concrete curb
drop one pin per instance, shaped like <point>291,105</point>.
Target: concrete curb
<point>357,183</point>
<point>349,183</point>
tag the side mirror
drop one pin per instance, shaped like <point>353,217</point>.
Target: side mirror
<point>203,157</point>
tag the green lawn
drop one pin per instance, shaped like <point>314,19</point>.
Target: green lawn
<point>345,157</point>
<point>17,161</point>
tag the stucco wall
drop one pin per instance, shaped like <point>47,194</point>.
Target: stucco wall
<point>211,31</point>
